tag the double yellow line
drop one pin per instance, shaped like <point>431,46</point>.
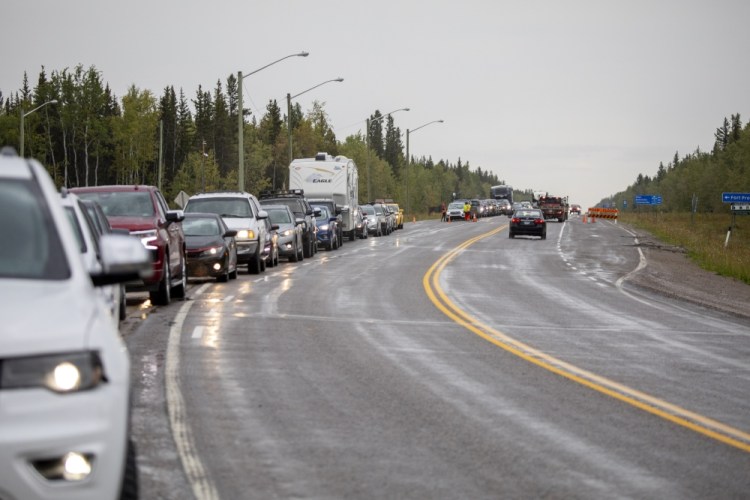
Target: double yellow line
<point>668,411</point>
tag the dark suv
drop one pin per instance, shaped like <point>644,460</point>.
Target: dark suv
<point>144,212</point>
<point>295,200</point>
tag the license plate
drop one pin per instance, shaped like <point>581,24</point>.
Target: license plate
<point>527,223</point>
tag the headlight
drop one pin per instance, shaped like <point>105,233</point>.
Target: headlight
<point>246,234</point>
<point>287,232</point>
<point>324,227</point>
<point>147,238</point>
<point>61,373</point>
<point>212,251</point>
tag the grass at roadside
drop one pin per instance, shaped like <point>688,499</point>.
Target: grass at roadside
<point>703,238</point>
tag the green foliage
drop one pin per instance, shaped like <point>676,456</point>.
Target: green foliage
<point>701,175</point>
<point>91,137</point>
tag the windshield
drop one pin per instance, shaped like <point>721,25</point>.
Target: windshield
<point>324,213</point>
<point>279,216</point>
<point>123,203</point>
<point>193,226</point>
<point>226,207</point>
<point>31,247</point>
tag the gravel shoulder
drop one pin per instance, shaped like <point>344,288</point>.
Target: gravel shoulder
<point>670,272</point>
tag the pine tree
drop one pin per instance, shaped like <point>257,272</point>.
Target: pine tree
<point>375,134</point>
<point>393,146</point>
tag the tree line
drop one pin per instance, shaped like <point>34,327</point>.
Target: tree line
<point>180,143</point>
<point>697,179</point>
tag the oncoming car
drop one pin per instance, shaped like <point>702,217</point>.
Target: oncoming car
<point>528,222</point>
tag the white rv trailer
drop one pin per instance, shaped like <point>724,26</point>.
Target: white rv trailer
<point>328,177</point>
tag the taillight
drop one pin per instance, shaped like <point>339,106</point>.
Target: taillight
<point>538,221</point>
<point>515,220</point>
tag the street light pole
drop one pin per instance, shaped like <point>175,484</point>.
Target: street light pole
<point>408,158</point>
<point>23,118</point>
<point>367,145</point>
<point>241,117</point>
<point>289,116</point>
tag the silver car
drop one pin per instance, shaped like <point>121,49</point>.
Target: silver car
<point>289,230</point>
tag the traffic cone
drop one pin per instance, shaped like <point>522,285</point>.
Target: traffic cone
<point>475,217</point>
<point>584,218</point>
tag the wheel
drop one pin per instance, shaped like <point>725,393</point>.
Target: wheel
<point>295,256</point>
<point>233,274</point>
<point>254,265</point>
<point>123,310</point>
<point>224,277</point>
<point>510,235</point>
<point>352,235</point>
<point>162,296</point>
<point>544,236</point>
<point>262,264</point>
<point>308,249</point>
<point>180,291</point>
<point>129,488</point>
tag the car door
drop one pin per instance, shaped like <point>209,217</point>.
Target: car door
<point>175,236</point>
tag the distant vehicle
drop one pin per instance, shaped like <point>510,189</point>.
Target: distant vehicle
<point>326,176</point>
<point>575,209</point>
<point>528,222</point>
<point>554,207</point>
<point>301,208</point>
<point>399,213</point>
<point>374,220</point>
<point>360,224</point>
<point>386,221</point>
<point>505,207</point>
<point>211,247</point>
<point>144,212</point>
<point>502,192</point>
<point>327,228</point>
<point>289,230</point>
<point>455,210</point>
<point>241,211</point>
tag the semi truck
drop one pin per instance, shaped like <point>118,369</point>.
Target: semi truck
<point>326,177</point>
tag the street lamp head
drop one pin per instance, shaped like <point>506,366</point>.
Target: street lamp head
<point>339,79</point>
<point>303,54</point>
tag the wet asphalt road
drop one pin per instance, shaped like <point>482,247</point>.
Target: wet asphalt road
<point>409,366</point>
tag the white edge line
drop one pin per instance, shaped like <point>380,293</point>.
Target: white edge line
<point>202,485</point>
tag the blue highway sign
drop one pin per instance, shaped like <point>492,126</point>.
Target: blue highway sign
<point>735,197</point>
<point>648,199</point>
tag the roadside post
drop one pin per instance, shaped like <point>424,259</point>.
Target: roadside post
<point>740,205</point>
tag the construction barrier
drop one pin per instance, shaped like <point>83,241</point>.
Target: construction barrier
<point>601,213</point>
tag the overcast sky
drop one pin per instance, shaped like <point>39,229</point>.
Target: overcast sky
<point>572,97</point>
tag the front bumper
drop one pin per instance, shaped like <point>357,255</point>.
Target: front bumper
<point>246,250</point>
<point>37,425</point>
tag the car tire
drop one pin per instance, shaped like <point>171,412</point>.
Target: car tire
<point>162,296</point>
<point>129,487</point>
<point>233,274</point>
<point>308,249</point>
<point>180,291</point>
<point>544,236</point>
<point>223,278</point>
<point>352,235</point>
<point>510,235</point>
<point>253,267</point>
<point>123,309</point>
<point>294,257</point>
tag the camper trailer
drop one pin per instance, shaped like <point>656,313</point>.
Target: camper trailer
<point>326,177</point>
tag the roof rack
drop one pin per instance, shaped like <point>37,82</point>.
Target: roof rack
<point>282,192</point>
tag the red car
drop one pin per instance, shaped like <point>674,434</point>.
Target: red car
<point>144,212</point>
<point>575,209</point>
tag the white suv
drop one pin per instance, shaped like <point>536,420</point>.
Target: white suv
<point>64,370</point>
<point>242,212</point>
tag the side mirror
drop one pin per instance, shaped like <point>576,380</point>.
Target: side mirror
<point>175,216</point>
<point>275,227</point>
<point>317,212</point>
<point>230,234</point>
<point>123,258</point>
<point>262,214</point>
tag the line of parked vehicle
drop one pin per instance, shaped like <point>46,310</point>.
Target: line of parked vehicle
<point>78,251</point>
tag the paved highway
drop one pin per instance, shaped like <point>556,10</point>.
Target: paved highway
<point>443,361</point>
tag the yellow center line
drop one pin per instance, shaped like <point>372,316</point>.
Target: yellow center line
<point>668,411</point>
